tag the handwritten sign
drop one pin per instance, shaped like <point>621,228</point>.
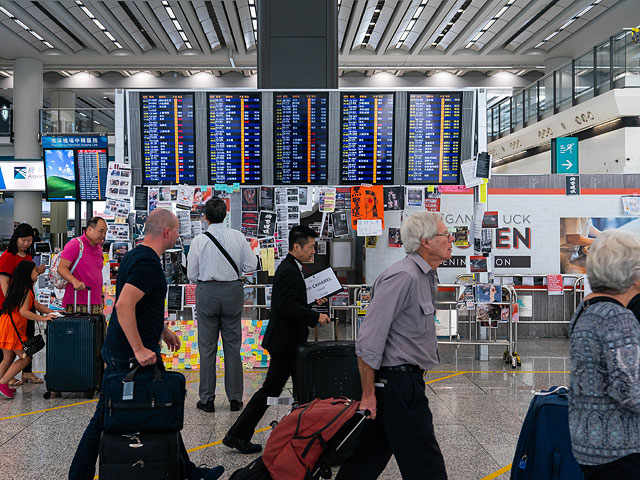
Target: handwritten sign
<point>367,228</point>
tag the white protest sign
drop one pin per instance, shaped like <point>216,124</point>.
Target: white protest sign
<point>322,284</point>
<point>369,228</point>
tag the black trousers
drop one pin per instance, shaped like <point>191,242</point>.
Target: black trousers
<point>281,367</point>
<point>625,467</point>
<point>403,427</point>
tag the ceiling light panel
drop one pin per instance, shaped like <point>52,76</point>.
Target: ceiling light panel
<point>455,13</point>
<point>578,19</point>
<point>370,17</point>
<point>413,24</point>
<point>207,24</point>
<point>495,24</point>
<point>172,26</point>
<point>248,22</point>
<point>23,30</point>
<point>344,12</point>
<point>380,26</point>
<point>87,13</point>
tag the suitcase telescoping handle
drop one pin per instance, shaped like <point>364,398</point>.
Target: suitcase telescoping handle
<point>75,300</point>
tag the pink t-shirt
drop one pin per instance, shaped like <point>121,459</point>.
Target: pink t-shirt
<point>88,271</point>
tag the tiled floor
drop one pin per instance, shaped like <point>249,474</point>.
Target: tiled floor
<point>478,408</point>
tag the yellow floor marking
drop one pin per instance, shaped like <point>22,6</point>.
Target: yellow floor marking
<point>201,447</point>
<point>497,473</point>
<point>444,378</point>
<point>49,409</point>
<point>501,371</point>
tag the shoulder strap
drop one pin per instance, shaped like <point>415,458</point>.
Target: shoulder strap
<point>224,252</point>
<point>588,303</point>
<point>14,327</point>
<point>75,264</point>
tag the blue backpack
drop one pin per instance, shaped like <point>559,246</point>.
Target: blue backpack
<point>544,446</point>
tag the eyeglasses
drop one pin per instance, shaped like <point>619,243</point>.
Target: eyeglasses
<point>444,235</point>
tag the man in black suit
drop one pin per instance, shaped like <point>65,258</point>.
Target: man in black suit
<point>288,327</point>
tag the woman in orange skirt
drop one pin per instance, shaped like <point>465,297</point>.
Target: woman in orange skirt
<point>15,313</point>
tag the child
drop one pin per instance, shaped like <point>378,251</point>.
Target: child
<point>18,304</point>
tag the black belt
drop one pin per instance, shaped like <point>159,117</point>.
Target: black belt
<point>403,368</point>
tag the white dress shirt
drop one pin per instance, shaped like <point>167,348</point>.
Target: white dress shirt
<point>205,262</point>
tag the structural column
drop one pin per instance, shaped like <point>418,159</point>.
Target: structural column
<point>27,101</point>
<point>65,101</point>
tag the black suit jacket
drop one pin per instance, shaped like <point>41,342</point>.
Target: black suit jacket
<point>290,315</point>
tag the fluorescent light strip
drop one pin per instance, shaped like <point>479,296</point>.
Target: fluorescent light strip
<point>98,24</point>
<point>450,24</point>
<point>254,18</point>
<point>569,22</point>
<point>488,25</point>
<point>414,18</point>
<point>176,23</point>
<point>25,27</point>
<point>372,24</point>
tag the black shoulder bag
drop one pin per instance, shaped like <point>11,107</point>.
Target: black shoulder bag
<point>224,252</point>
<point>31,346</point>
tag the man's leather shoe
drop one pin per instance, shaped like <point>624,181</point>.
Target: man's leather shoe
<point>236,405</point>
<point>241,445</point>
<point>207,407</point>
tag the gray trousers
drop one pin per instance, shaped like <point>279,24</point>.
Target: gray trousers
<point>219,311</point>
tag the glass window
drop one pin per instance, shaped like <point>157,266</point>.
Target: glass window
<point>619,58</point>
<point>603,65</point>
<point>546,95</point>
<point>496,120</point>
<point>505,116</point>
<point>531,102</point>
<point>584,76</point>
<point>518,106</point>
<point>563,83</point>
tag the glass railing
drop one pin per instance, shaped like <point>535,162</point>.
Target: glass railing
<point>613,64</point>
<point>77,120</point>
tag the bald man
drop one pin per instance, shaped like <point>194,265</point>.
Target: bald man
<point>135,329</point>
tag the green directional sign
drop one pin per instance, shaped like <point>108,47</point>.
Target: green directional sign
<point>564,155</point>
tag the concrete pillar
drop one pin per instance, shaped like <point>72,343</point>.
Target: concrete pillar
<point>27,101</point>
<point>62,99</point>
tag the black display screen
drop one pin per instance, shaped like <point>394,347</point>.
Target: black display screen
<point>168,138</point>
<point>434,138</point>
<point>92,173</point>
<point>367,138</point>
<point>234,138</point>
<point>300,138</point>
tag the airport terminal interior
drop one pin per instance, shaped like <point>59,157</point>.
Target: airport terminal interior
<point>517,120</point>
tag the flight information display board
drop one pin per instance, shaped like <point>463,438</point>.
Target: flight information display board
<point>300,138</point>
<point>367,138</point>
<point>168,138</point>
<point>434,138</point>
<point>92,173</point>
<point>234,138</point>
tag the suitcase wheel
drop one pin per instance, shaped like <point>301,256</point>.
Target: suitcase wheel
<point>46,395</point>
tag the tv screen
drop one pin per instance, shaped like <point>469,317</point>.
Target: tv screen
<point>60,175</point>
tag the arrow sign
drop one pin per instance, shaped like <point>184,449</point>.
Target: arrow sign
<point>564,155</point>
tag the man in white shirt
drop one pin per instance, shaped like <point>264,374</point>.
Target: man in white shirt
<point>217,268</point>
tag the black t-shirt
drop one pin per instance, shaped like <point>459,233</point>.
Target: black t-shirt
<point>141,268</point>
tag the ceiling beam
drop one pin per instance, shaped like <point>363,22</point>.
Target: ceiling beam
<point>353,26</point>
<point>197,40</point>
<point>398,14</point>
<point>114,26</point>
<point>65,17</point>
<point>155,25</point>
<point>236,28</point>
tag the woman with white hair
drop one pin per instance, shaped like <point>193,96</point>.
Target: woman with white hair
<point>604,402</point>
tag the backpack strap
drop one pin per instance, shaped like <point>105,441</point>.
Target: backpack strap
<point>75,264</point>
<point>224,252</point>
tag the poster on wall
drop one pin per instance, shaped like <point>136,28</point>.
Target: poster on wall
<point>393,198</point>
<point>367,203</point>
<point>578,233</point>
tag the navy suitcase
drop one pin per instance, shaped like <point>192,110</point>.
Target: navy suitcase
<point>544,446</point>
<point>74,359</point>
<point>140,456</point>
<point>325,370</point>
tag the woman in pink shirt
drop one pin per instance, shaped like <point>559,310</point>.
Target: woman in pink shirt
<point>88,271</point>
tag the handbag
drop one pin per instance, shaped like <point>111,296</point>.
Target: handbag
<point>31,346</point>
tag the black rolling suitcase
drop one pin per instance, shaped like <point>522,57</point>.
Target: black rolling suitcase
<point>325,370</point>
<point>140,456</point>
<point>74,360</point>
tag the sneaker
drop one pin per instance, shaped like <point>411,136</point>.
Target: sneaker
<point>242,446</point>
<point>204,473</point>
<point>5,391</point>
<point>236,405</point>
<point>208,407</point>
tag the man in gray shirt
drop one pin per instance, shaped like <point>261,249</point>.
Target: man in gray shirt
<point>396,344</point>
<point>216,268</point>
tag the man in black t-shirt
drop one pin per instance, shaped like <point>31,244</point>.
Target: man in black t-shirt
<point>135,329</point>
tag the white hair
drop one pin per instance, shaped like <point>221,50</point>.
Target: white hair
<point>613,262</point>
<point>418,226</point>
